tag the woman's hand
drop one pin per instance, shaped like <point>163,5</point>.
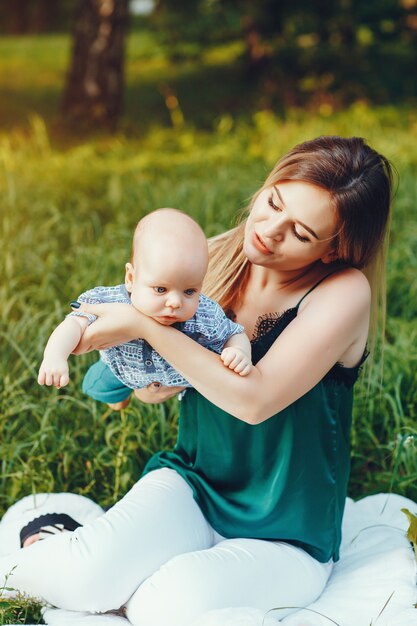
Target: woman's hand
<point>156,393</point>
<point>116,323</point>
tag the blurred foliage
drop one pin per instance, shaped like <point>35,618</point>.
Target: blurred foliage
<point>22,17</point>
<point>298,52</point>
<point>280,54</point>
<point>159,91</point>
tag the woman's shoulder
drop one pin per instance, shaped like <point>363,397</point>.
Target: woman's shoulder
<point>351,274</point>
<point>343,287</point>
<point>340,308</point>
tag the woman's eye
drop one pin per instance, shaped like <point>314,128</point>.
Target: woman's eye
<point>159,289</point>
<point>300,237</point>
<point>190,292</point>
<point>272,203</point>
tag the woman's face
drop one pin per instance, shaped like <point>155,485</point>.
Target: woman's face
<point>289,227</point>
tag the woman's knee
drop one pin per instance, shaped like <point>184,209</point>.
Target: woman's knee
<point>72,578</point>
<point>174,595</point>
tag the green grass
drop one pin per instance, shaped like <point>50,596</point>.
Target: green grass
<point>20,610</point>
<point>67,213</point>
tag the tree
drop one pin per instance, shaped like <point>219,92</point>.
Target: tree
<point>94,91</point>
<point>327,51</point>
<point>27,17</point>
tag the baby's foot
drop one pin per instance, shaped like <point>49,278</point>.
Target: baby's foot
<point>118,406</point>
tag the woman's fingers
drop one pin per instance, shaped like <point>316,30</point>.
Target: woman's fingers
<point>155,393</point>
<point>116,323</point>
<point>84,307</point>
<point>103,309</point>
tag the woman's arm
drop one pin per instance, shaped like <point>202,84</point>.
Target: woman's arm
<point>333,318</point>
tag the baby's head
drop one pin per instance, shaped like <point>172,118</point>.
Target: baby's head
<point>168,265</point>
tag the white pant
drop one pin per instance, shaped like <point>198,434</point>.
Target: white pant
<point>155,552</point>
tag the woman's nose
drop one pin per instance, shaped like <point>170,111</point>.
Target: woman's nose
<point>274,229</point>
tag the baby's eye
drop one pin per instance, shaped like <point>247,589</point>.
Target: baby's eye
<point>159,289</point>
<point>190,292</point>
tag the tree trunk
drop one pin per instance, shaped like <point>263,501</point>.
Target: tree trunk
<point>43,16</point>
<point>18,17</point>
<point>94,90</point>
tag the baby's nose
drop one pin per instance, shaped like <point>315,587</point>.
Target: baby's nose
<point>173,301</point>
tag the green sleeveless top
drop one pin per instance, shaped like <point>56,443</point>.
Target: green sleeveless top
<point>284,479</point>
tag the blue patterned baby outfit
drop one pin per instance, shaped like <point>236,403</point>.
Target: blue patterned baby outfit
<point>136,363</point>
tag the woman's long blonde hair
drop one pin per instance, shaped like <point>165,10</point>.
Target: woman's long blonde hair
<point>359,181</point>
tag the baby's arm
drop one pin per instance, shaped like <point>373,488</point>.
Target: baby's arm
<point>236,354</point>
<point>64,339</point>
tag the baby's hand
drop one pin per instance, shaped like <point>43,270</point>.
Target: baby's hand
<point>54,372</point>
<point>237,360</point>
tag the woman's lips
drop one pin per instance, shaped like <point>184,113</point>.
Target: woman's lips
<point>259,244</point>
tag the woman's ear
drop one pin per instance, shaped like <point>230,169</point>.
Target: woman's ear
<point>129,276</point>
<point>329,257</point>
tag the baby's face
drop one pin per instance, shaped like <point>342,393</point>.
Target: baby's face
<point>168,294</point>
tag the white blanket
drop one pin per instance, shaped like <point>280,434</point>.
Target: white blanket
<point>376,566</point>
<point>377,569</point>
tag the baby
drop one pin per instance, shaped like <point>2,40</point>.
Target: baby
<point>163,280</point>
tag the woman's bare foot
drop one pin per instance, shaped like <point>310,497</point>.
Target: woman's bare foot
<point>31,540</point>
<point>45,526</point>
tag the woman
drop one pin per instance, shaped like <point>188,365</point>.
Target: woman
<point>247,510</point>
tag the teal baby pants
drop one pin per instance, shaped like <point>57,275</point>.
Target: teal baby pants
<point>101,384</point>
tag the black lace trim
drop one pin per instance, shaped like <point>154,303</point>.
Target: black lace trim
<point>346,375</point>
<point>265,323</point>
<point>267,328</point>
<point>270,325</point>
